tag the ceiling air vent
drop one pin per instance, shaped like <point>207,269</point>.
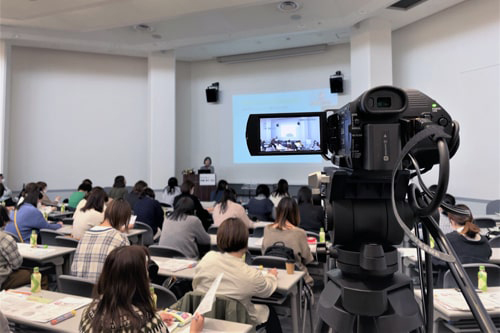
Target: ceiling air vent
<point>405,4</point>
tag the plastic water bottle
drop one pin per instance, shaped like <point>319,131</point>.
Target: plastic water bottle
<point>63,208</point>
<point>153,295</point>
<point>482,279</point>
<point>36,280</point>
<point>33,238</point>
<point>321,235</point>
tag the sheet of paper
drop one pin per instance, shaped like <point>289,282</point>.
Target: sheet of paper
<point>453,300</point>
<point>208,301</point>
<point>174,265</point>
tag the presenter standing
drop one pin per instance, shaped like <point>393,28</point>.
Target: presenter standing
<point>207,165</point>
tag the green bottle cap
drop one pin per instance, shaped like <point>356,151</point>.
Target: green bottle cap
<point>321,230</point>
<point>33,231</point>
<point>151,289</point>
<point>481,267</point>
<point>36,270</point>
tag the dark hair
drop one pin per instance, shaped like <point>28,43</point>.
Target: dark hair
<point>119,181</point>
<point>466,221</point>
<point>85,187</point>
<point>304,195</point>
<point>228,195</point>
<point>123,284</point>
<point>221,185</point>
<point>118,213</point>
<point>207,158</point>
<point>31,194</point>
<point>87,181</point>
<point>139,186</point>
<point>183,207</point>
<point>263,189</point>
<point>187,186</point>
<point>287,210</point>
<point>232,235</point>
<point>282,188</point>
<point>96,199</point>
<point>172,184</point>
<point>147,192</point>
<point>4,216</point>
<point>41,185</point>
<point>2,189</point>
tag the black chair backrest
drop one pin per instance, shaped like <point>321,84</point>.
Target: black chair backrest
<point>312,234</point>
<point>485,222</point>
<point>66,241</point>
<point>495,242</point>
<point>68,220</point>
<point>258,232</point>
<point>147,237</point>
<point>74,285</point>
<point>269,262</point>
<point>165,298</point>
<point>48,236</point>
<point>163,251</point>
<point>212,230</point>
<point>471,270</point>
<point>493,207</point>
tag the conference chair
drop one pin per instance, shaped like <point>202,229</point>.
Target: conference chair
<point>212,230</point>
<point>495,242</point>
<point>269,262</point>
<point>163,251</point>
<point>258,232</point>
<point>486,223</point>
<point>471,270</point>
<point>313,234</point>
<point>147,237</point>
<point>68,220</point>
<point>493,207</point>
<point>66,241</point>
<point>48,236</point>
<point>164,297</point>
<point>74,285</point>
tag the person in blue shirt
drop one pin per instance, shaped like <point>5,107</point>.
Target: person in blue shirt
<point>148,210</point>
<point>26,217</point>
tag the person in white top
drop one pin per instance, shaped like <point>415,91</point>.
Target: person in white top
<point>228,208</point>
<point>89,212</point>
<point>280,192</point>
<point>240,281</point>
<point>170,192</point>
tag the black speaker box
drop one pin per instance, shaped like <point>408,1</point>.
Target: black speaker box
<point>336,85</point>
<point>212,95</point>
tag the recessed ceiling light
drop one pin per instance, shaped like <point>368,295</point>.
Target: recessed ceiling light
<point>296,17</point>
<point>288,6</point>
<point>156,36</point>
<point>143,28</point>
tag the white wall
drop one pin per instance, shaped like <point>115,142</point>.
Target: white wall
<point>453,57</point>
<point>76,116</point>
<point>206,129</point>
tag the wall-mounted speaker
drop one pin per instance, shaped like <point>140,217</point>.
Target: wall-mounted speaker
<point>212,93</point>
<point>337,83</point>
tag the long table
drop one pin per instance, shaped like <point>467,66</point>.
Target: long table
<point>131,234</point>
<point>452,315</point>
<point>409,255</point>
<point>288,284</point>
<point>47,255</point>
<point>71,325</point>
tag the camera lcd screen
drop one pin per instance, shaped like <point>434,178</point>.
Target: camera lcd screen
<point>285,134</point>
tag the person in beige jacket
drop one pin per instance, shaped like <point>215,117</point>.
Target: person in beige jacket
<point>240,281</point>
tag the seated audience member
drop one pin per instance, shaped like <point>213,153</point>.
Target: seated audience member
<point>219,191</point>
<point>260,207</point>
<point>76,197</point>
<point>183,231</point>
<point>240,281</point>
<point>26,217</point>
<point>468,244</point>
<point>207,165</point>
<point>11,275</point>
<point>45,199</point>
<point>280,192</point>
<point>228,208</point>
<point>123,300</point>
<point>444,222</point>
<point>134,195</point>
<point>5,193</point>
<point>170,192</point>
<point>286,230</point>
<point>187,190</point>
<point>98,241</point>
<point>89,212</point>
<point>118,191</point>
<point>148,210</point>
<point>312,217</point>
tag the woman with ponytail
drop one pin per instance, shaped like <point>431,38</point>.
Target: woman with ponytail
<point>469,245</point>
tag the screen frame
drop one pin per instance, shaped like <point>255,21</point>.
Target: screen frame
<point>253,133</point>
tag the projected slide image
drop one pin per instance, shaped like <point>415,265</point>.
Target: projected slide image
<point>290,134</point>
